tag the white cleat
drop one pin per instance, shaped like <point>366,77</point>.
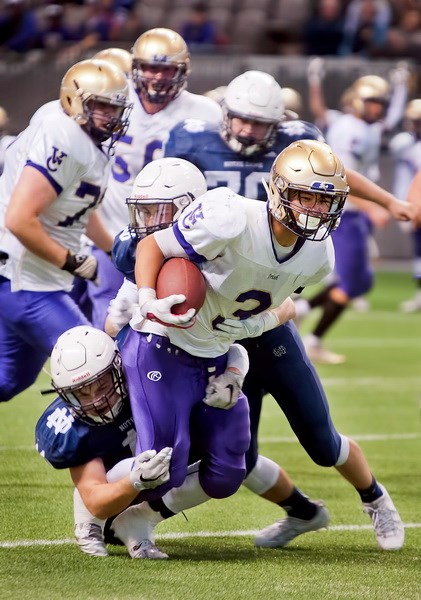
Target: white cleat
<point>135,528</point>
<point>387,524</point>
<point>320,355</point>
<point>282,532</point>
<point>411,306</point>
<point>90,539</point>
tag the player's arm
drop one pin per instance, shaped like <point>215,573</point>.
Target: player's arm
<point>101,498</point>
<point>104,498</point>
<point>414,197</point>
<point>378,215</point>
<point>363,187</point>
<point>96,232</point>
<point>149,260</point>
<point>32,195</point>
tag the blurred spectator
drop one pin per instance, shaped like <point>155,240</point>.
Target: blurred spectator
<point>323,32</point>
<point>404,40</point>
<point>366,26</point>
<point>199,32</point>
<point>54,32</point>
<point>18,27</point>
<point>104,22</point>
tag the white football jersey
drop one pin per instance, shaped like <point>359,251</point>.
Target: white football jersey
<point>142,143</point>
<point>59,149</point>
<point>246,271</point>
<point>406,152</point>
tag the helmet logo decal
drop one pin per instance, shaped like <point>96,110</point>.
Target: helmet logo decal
<point>154,375</point>
<point>323,186</point>
<point>81,376</point>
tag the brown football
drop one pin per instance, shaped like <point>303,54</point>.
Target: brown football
<point>181,276</point>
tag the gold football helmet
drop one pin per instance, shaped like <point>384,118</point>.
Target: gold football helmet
<point>160,47</point>
<point>118,57</point>
<point>310,168</point>
<point>413,110</point>
<point>4,119</point>
<point>292,101</point>
<point>369,88</point>
<point>92,82</point>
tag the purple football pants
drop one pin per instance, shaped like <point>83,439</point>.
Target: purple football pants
<point>30,323</point>
<point>166,386</point>
<point>352,261</point>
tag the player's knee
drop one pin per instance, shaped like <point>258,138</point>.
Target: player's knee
<point>220,484</point>
<point>324,454</point>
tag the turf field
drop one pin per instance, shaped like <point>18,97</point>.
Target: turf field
<point>374,397</point>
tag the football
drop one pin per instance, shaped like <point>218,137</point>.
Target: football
<point>181,276</point>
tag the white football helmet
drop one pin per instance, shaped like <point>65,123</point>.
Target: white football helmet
<point>87,374</point>
<point>161,191</point>
<point>253,96</point>
<point>98,81</point>
<point>160,47</point>
<point>307,166</point>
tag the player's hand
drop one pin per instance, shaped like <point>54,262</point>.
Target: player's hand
<point>120,311</point>
<point>151,469</point>
<point>83,265</point>
<point>316,69</point>
<point>223,391</point>
<point>160,310</point>
<point>403,211</point>
<point>251,327</point>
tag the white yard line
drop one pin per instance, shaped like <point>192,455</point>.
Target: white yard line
<point>185,535</point>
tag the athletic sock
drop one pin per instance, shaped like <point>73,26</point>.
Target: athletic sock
<point>299,506</point>
<point>331,312</point>
<point>373,492</point>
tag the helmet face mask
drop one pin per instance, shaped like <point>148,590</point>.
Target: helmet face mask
<point>307,189</point>
<point>253,97</point>
<point>94,93</point>
<point>87,374</point>
<point>161,191</point>
<point>161,65</point>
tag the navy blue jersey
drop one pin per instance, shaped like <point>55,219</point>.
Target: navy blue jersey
<point>124,253</point>
<point>201,144</point>
<point>65,441</point>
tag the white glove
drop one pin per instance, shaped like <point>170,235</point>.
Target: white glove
<point>251,327</point>
<point>223,391</point>
<point>120,312</point>
<point>160,310</point>
<point>400,74</point>
<point>150,469</point>
<point>316,69</point>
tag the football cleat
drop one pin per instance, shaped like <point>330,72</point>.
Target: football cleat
<point>135,528</point>
<point>318,354</point>
<point>412,305</point>
<point>146,549</point>
<point>387,524</point>
<point>90,539</point>
<point>284,531</point>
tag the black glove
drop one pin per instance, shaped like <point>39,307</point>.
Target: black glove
<point>83,265</point>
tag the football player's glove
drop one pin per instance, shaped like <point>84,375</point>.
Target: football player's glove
<point>160,310</point>
<point>223,391</point>
<point>83,265</point>
<point>151,469</point>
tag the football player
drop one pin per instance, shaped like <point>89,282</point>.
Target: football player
<point>277,364</point>
<point>356,138</point>
<point>89,430</point>
<point>159,74</point>
<point>54,178</point>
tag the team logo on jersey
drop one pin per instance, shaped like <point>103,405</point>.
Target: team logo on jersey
<point>193,216</point>
<point>279,351</point>
<point>154,375</point>
<point>55,160</point>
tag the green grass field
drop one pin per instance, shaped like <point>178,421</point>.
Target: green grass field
<point>374,397</point>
